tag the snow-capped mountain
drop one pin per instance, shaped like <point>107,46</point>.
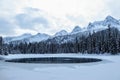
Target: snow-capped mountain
<point>63,36</point>
<point>27,38</point>
<point>76,30</point>
<point>101,25</point>
<point>9,39</point>
<point>38,37</point>
<point>110,20</point>
<point>61,33</point>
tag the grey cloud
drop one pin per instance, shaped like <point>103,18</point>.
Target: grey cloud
<point>6,28</point>
<point>27,21</point>
<point>79,20</point>
<point>114,6</point>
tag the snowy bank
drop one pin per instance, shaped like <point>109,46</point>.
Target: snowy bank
<point>90,71</point>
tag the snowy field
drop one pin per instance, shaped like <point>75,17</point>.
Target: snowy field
<point>108,69</point>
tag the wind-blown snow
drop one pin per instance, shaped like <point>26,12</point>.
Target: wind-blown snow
<point>105,70</point>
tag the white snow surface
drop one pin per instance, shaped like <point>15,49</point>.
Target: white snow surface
<point>9,39</point>
<point>61,33</point>
<point>102,25</point>
<point>38,37</point>
<point>108,69</point>
<point>76,30</point>
<point>28,38</point>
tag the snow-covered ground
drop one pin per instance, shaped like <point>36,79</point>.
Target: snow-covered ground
<point>108,69</point>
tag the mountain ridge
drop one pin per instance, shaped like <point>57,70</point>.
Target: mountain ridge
<point>64,36</point>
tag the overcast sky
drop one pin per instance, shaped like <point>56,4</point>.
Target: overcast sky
<point>49,16</point>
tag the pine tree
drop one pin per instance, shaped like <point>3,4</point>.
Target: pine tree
<point>1,44</point>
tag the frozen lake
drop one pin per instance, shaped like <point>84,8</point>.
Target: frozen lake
<point>108,69</point>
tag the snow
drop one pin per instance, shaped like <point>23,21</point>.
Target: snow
<point>95,26</point>
<point>111,20</point>
<point>38,37</point>
<point>108,69</point>
<point>61,33</point>
<point>76,30</point>
<point>27,38</point>
<point>102,25</point>
<point>9,39</point>
<point>22,37</point>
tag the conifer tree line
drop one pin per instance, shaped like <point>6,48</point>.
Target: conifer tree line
<point>105,41</point>
<point>1,44</point>
<point>3,47</point>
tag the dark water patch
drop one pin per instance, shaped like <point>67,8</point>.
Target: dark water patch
<point>54,60</point>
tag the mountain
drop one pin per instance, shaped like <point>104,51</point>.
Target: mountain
<point>76,30</point>
<point>61,33</point>
<point>101,25</point>
<point>38,37</point>
<point>27,38</point>
<point>112,21</point>
<point>64,37</point>
<point>10,39</point>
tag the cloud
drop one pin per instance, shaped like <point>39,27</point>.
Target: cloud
<point>78,20</point>
<point>31,10</point>
<point>34,19</point>
<point>46,16</point>
<point>6,27</point>
<point>114,6</point>
<point>11,8</point>
<point>25,21</point>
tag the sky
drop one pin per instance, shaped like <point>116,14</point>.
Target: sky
<point>50,16</point>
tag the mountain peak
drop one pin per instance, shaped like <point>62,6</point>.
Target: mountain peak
<point>90,25</point>
<point>61,33</point>
<point>38,37</point>
<point>109,18</point>
<point>76,29</point>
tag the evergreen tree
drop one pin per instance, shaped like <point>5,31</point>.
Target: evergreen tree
<point>1,45</point>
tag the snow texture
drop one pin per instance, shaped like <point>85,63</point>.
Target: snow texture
<point>76,30</point>
<point>108,69</point>
<point>61,33</point>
